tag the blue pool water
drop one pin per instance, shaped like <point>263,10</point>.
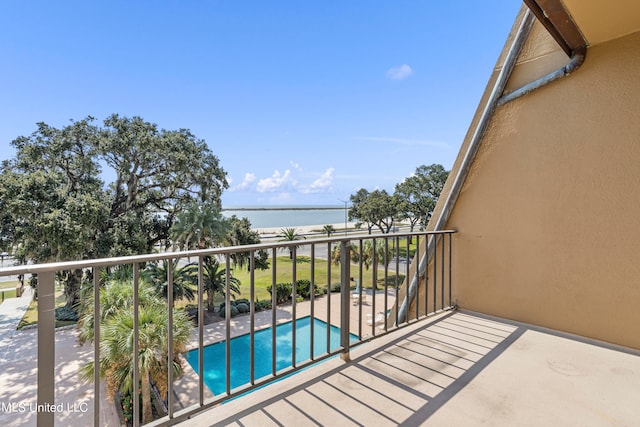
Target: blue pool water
<point>214,354</point>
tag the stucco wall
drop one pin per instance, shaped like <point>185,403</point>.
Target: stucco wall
<point>549,217</point>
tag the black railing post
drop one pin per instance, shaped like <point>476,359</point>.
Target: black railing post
<point>345,280</point>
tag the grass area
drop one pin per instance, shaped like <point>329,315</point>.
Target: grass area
<point>10,289</point>
<point>31,316</point>
<point>284,266</point>
<point>263,279</point>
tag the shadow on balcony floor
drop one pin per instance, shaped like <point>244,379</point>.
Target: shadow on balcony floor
<point>457,369</point>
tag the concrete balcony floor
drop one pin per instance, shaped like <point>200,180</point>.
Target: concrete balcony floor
<point>456,369</point>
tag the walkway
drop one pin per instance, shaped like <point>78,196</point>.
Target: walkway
<point>12,311</point>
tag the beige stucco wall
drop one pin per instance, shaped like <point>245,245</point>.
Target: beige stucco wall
<point>549,217</point>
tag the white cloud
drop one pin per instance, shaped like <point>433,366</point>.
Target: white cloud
<point>399,73</point>
<point>275,182</point>
<point>249,178</point>
<point>402,141</point>
<point>295,165</point>
<point>323,183</point>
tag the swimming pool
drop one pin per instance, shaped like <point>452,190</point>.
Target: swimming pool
<point>214,355</point>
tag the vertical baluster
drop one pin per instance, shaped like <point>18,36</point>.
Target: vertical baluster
<point>312,300</point>
<point>328,297</point>
<point>170,337</point>
<point>227,308</point>
<point>435,268</point>
<point>443,278</point>
<point>360,290</point>
<point>294,296</point>
<point>96,345</point>
<point>345,278</point>
<point>386,279</point>
<point>252,296</point>
<point>396,282</point>
<point>273,312</point>
<point>450,268</point>
<point>136,349</point>
<point>407,278</point>
<point>374,285</point>
<point>200,330</point>
<point>426,281</point>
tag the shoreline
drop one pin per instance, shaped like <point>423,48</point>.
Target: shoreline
<point>305,230</point>
<point>316,230</point>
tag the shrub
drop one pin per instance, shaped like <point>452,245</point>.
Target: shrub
<point>233,304</point>
<point>242,307</point>
<point>335,287</point>
<point>66,314</point>
<point>266,304</point>
<point>257,306</point>
<point>303,288</point>
<point>234,312</point>
<point>283,292</point>
<point>241,301</point>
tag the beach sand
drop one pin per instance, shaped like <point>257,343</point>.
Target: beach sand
<point>305,230</point>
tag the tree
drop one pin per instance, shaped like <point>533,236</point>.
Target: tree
<point>376,208</point>
<point>115,295</point>
<point>56,207</point>
<point>185,278</point>
<point>419,193</point>
<point>367,256</point>
<point>240,233</point>
<point>215,281</point>
<point>158,173</point>
<point>54,198</point>
<point>328,229</point>
<point>200,226</point>
<point>290,235</point>
<point>359,209</point>
<point>116,362</point>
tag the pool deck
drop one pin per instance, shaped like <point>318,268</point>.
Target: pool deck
<point>186,388</point>
<point>18,365</point>
<point>455,369</point>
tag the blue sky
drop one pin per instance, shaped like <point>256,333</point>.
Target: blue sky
<point>304,102</point>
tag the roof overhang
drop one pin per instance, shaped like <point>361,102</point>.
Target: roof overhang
<point>586,22</point>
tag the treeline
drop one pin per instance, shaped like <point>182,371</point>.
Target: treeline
<point>413,200</point>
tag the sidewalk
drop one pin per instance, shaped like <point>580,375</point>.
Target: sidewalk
<point>11,312</point>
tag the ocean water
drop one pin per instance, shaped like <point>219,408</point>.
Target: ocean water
<point>287,216</point>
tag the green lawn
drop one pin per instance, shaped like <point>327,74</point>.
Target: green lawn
<point>263,280</point>
<point>31,316</point>
<point>284,268</point>
<point>11,286</point>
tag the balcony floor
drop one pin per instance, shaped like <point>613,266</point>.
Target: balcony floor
<point>456,369</point>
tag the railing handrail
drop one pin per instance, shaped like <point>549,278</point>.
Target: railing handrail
<point>131,259</point>
<point>426,303</point>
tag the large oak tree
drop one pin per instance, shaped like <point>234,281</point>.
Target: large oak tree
<point>57,205</point>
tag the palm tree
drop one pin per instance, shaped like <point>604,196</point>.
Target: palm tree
<point>199,226</point>
<point>329,229</point>
<point>115,295</point>
<point>184,279</point>
<point>290,235</point>
<point>116,351</point>
<point>368,258</point>
<point>215,280</point>
<point>116,338</point>
<point>336,253</point>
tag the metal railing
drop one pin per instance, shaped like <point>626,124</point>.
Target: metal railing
<point>383,261</point>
